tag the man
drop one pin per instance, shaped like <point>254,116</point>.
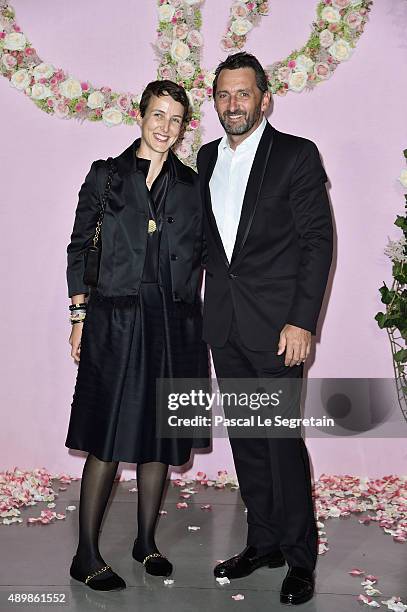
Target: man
<point>269,248</point>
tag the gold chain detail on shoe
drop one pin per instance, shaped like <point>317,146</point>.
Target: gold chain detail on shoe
<point>103,569</point>
<point>151,556</point>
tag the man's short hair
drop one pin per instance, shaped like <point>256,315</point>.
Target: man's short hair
<point>242,60</point>
<point>165,88</point>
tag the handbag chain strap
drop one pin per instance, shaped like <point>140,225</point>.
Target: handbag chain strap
<point>104,200</point>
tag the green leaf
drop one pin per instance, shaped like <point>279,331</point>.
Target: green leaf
<point>400,356</point>
<point>386,294</point>
<point>401,222</point>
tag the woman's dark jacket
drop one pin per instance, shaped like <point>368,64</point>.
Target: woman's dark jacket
<point>124,229</point>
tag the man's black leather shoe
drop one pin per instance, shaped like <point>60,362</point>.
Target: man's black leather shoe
<point>246,562</point>
<point>297,587</point>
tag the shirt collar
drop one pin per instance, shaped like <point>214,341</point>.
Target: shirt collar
<point>250,143</point>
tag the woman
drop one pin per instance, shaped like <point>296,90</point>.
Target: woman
<point>142,322</point>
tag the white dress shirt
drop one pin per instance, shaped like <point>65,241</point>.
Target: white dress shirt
<point>228,184</point>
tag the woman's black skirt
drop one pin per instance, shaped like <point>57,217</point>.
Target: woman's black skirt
<point>127,343</point>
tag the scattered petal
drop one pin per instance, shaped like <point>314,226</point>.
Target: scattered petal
<point>223,580</point>
<point>238,597</point>
<point>70,508</point>
<point>181,505</point>
<point>193,527</point>
<point>168,581</point>
<point>206,507</point>
<point>356,572</point>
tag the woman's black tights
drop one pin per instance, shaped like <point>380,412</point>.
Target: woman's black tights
<point>97,481</point>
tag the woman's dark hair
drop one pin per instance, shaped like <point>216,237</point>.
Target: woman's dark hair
<point>242,60</point>
<point>165,88</point>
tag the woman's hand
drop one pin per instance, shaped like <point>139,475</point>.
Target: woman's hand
<point>75,341</point>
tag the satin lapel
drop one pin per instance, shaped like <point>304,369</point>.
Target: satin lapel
<point>135,191</point>
<point>208,206</point>
<point>253,188</point>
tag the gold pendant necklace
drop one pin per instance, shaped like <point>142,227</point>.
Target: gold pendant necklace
<point>152,226</point>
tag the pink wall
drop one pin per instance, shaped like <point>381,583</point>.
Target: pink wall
<point>358,121</point>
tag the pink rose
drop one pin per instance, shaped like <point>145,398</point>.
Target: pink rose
<point>9,61</point>
<point>227,43</point>
<point>341,4</point>
<point>194,124</point>
<point>123,102</point>
<point>50,102</point>
<point>30,51</point>
<point>284,73</point>
<point>133,113</point>
<point>251,6</point>
<point>16,28</point>
<point>354,20</point>
<point>105,90</point>
<point>167,72</point>
<point>61,110</point>
<point>322,70</point>
<point>184,150</point>
<point>163,43</point>
<point>292,64</point>
<point>180,31</point>
<point>209,91</point>
<point>195,38</point>
<point>2,35</point>
<point>176,3</point>
<point>240,11</point>
<point>85,86</point>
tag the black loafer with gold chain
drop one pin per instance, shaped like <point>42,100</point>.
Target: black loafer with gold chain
<point>112,582</point>
<point>155,563</point>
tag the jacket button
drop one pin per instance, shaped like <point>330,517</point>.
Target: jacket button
<point>173,257</point>
<point>170,219</point>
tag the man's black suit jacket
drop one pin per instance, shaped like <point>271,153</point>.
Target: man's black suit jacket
<point>283,250</point>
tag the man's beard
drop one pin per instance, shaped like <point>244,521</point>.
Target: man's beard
<point>241,128</point>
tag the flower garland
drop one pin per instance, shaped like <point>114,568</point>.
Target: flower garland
<point>338,26</point>
<point>394,320</point>
<point>243,16</point>
<point>334,35</point>
<point>178,48</point>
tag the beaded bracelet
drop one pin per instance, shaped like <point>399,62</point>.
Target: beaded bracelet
<point>77,306</point>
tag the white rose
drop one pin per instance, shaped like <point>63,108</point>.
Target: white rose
<point>112,117</point>
<point>166,12</point>
<point>240,27</point>
<point>96,100</point>
<point>209,78</point>
<point>40,91</point>
<point>186,70</point>
<point>21,79</point>
<point>179,51</point>
<point>70,89</point>
<point>330,14</point>
<point>43,71</point>
<point>340,50</point>
<point>15,41</point>
<point>403,178</point>
<point>326,38</point>
<point>8,61</point>
<point>304,63</point>
<point>297,80</point>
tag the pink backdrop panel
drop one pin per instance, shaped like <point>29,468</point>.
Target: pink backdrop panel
<point>357,120</point>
